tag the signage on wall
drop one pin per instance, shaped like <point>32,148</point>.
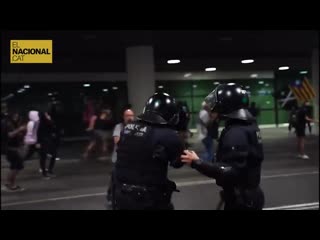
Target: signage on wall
<point>31,51</point>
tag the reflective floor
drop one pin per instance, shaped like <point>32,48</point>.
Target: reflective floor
<point>288,182</point>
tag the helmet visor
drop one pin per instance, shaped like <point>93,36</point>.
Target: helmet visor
<point>211,100</point>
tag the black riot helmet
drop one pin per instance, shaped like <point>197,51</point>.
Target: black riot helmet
<point>160,109</point>
<point>230,101</point>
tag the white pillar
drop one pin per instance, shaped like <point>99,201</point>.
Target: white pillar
<point>141,76</point>
<point>315,83</point>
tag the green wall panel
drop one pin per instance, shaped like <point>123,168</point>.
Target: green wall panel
<point>193,92</point>
<point>283,116</point>
<point>266,117</point>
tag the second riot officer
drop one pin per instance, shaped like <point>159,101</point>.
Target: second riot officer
<point>145,150</point>
<point>240,152</point>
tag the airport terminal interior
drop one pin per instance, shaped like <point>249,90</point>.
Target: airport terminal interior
<point>121,69</point>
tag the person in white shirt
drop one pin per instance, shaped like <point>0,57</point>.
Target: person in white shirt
<point>204,122</point>
<point>31,137</point>
<point>128,116</point>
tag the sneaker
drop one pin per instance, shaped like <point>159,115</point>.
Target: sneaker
<point>51,174</point>
<point>40,170</point>
<point>304,156</point>
<point>13,189</point>
<point>45,177</point>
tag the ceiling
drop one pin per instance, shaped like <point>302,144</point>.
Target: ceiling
<point>105,50</point>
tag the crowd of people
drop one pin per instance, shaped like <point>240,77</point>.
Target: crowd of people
<point>21,139</point>
<point>41,135</point>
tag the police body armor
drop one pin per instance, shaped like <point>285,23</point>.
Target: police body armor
<point>141,170</point>
<point>241,189</point>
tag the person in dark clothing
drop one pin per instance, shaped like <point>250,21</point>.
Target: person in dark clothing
<point>240,151</point>
<point>213,132</point>
<point>184,118</point>
<point>303,117</point>
<point>47,139</point>
<point>253,110</point>
<point>101,126</point>
<point>4,119</point>
<point>57,118</point>
<point>15,132</point>
<point>292,118</point>
<point>145,150</point>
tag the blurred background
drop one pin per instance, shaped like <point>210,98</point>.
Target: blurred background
<point>116,68</point>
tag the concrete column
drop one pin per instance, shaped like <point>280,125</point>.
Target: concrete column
<point>141,76</point>
<point>315,83</point>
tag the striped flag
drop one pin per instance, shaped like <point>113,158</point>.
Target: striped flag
<point>302,90</point>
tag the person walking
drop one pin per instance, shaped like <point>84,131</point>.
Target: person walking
<point>204,122</point>
<point>30,139</point>
<point>14,134</point>
<point>302,118</point>
<point>47,139</point>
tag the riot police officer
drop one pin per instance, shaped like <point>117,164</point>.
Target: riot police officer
<point>240,151</point>
<point>145,150</point>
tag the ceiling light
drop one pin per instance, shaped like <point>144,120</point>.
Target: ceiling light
<point>254,75</point>
<point>303,72</point>
<point>115,88</point>
<point>246,61</point>
<point>231,84</point>
<point>26,86</point>
<point>194,86</point>
<point>173,61</point>
<point>49,94</point>
<point>20,90</point>
<point>187,75</point>
<point>210,69</point>
<point>267,84</point>
<point>105,90</point>
<point>283,68</point>
<point>160,86</point>
<point>247,87</point>
<point>216,83</point>
<point>261,82</point>
<point>86,85</point>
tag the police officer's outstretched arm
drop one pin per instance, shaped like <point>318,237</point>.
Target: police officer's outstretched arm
<point>232,159</point>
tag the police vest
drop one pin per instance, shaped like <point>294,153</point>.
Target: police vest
<point>137,159</point>
<point>250,174</point>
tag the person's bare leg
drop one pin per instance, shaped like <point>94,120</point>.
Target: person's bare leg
<point>104,146</point>
<point>11,178</point>
<point>89,148</point>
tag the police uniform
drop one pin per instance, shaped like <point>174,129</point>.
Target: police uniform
<point>240,151</point>
<point>145,150</point>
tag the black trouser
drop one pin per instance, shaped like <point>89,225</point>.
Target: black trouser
<point>111,185</point>
<point>31,149</point>
<point>47,147</point>
<point>127,198</point>
<point>245,199</point>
